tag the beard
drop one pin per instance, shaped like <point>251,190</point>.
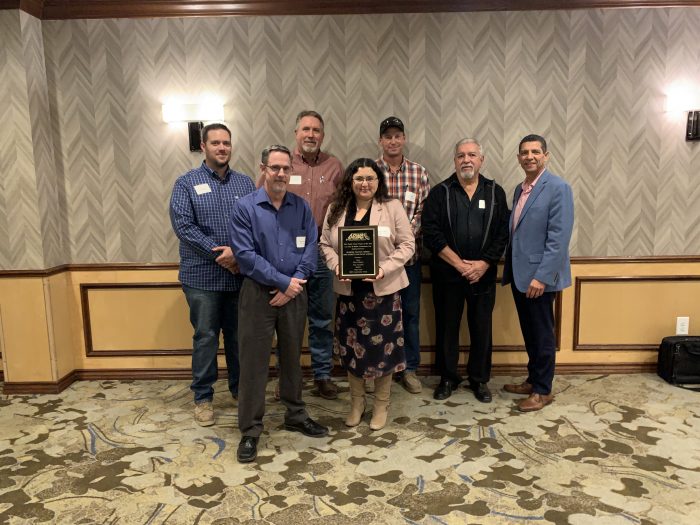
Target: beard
<point>309,148</point>
<point>466,175</point>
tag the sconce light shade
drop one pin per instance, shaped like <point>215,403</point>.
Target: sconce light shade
<point>693,128</point>
<point>195,115</point>
<point>193,112</point>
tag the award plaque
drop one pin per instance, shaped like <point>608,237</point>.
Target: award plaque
<point>357,252</point>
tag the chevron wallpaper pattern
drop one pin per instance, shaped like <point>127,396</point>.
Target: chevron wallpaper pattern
<point>87,164</point>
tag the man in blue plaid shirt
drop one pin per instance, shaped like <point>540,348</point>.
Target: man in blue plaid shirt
<point>200,209</point>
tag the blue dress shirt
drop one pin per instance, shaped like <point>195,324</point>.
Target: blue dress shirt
<point>200,209</point>
<point>272,245</point>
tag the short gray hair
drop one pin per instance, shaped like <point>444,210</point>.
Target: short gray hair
<point>310,113</point>
<point>275,147</point>
<point>469,140</point>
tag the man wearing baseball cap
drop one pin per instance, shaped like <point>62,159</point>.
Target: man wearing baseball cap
<point>408,182</point>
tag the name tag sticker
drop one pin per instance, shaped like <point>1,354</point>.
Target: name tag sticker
<point>410,196</point>
<point>201,189</point>
<point>384,231</point>
<point>301,242</point>
<point>295,179</point>
<point>482,204</point>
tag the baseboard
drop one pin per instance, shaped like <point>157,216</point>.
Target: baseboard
<point>121,374</point>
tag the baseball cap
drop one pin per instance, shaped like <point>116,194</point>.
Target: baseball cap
<point>390,122</point>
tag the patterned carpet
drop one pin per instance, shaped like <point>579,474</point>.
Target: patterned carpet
<point>610,450</point>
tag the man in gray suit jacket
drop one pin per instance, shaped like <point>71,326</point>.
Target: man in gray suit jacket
<point>537,265</point>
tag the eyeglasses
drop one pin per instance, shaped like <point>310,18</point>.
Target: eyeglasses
<point>360,180</point>
<point>277,169</point>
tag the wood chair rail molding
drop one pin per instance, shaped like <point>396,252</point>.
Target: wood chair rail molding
<point>121,266</point>
<point>80,9</point>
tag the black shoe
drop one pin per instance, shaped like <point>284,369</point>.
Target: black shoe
<point>247,449</point>
<point>481,391</point>
<point>444,389</point>
<point>308,427</point>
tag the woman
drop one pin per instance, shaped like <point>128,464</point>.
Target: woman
<point>368,326</point>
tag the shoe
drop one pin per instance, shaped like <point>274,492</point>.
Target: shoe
<point>444,389</point>
<point>380,410</point>
<point>308,427</point>
<point>204,414</point>
<point>325,388</point>
<point>247,449</point>
<point>369,386</point>
<point>411,383</point>
<point>277,391</point>
<point>523,388</point>
<point>481,391</point>
<point>535,402</point>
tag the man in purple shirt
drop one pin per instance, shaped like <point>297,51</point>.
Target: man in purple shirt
<point>274,236</point>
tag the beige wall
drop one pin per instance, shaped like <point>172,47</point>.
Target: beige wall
<point>613,319</point>
<point>91,175</point>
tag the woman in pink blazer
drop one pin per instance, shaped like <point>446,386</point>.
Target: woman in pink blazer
<point>368,325</point>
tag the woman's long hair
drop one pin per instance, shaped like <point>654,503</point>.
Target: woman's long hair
<point>344,198</point>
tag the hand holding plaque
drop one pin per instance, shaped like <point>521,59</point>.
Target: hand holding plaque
<point>357,252</point>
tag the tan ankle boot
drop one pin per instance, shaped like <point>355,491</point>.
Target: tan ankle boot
<point>380,411</point>
<point>357,400</point>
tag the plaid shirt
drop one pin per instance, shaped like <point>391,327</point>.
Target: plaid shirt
<point>200,209</point>
<point>411,179</point>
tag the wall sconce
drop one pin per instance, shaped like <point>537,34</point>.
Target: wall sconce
<point>692,131</point>
<point>679,97</point>
<point>195,115</point>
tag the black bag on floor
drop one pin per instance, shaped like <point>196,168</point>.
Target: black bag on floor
<point>679,360</point>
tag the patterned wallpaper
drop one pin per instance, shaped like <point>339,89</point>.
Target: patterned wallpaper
<point>592,81</point>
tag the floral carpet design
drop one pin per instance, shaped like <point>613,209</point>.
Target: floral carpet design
<point>619,449</point>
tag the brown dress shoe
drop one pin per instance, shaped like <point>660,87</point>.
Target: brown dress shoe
<point>523,388</point>
<point>535,402</point>
<point>325,388</point>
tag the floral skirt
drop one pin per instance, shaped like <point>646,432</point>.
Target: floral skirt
<point>369,334</point>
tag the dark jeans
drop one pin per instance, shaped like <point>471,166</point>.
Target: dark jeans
<point>410,305</point>
<point>536,318</point>
<point>448,301</point>
<point>210,314</point>
<point>320,312</point>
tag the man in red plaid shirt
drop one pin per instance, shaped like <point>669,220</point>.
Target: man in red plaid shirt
<point>408,182</point>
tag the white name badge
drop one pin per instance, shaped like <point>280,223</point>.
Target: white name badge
<point>301,242</point>
<point>410,196</point>
<point>482,204</point>
<point>201,189</point>
<point>384,231</point>
<point>295,179</point>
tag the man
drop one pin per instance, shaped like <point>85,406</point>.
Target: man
<point>537,265</point>
<point>465,226</point>
<point>275,239</point>
<point>200,208</point>
<point>408,182</point>
<point>315,177</point>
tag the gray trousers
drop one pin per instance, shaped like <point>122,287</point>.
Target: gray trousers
<point>257,321</point>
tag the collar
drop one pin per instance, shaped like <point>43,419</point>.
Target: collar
<point>212,173</point>
<point>298,156</point>
<point>528,187</point>
<point>386,166</point>
<point>261,196</point>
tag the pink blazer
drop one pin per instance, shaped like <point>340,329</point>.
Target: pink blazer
<point>395,247</point>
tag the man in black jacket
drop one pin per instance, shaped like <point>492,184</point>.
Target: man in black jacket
<point>465,226</point>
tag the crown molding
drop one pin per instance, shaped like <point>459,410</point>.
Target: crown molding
<point>82,9</point>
